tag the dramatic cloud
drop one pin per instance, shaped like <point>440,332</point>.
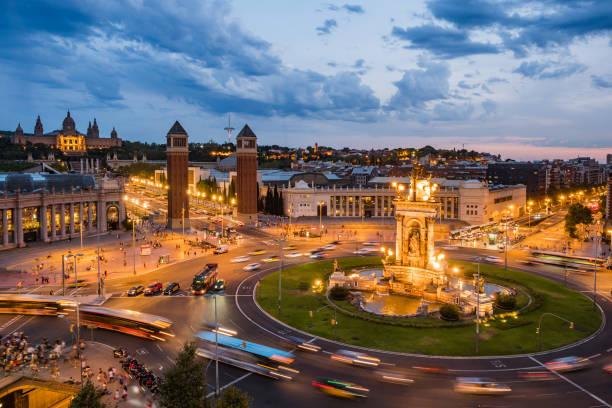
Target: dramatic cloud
<point>353,8</point>
<point>326,27</point>
<point>599,82</point>
<point>444,42</point>
<point>548,70</point>
<point>541,24</point>
<point>419,86</point>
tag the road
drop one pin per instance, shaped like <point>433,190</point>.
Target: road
<point>237,310</point>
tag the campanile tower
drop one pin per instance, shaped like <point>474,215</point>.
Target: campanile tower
<point>177,152</point>
<point>246,174</point>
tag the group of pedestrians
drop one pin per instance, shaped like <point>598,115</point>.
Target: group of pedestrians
<point>17,354</point>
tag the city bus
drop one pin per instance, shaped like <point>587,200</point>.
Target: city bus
<point>126,321</point>
<point>29,304</point>
<point>564,260</point>
<point>203,281</point>
<point>253,357</point>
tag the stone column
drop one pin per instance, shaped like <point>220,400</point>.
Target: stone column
<point>18,226</point>
<point>43,223</point>
<point>62,220</point>
<point>53,223</point>
<point>354,197</point>
<point>5,230</point>
<point>81,220</point>
<point>122,212</point>
<point>399,239</point>
<point>71,218</point>
<point>101,215</point>
<point>430,238</point>
<point>376,206</point>
<point>89,216</point>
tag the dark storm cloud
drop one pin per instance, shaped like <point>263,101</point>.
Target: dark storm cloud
<point>187,51</point>
<point>443,42</point>
<point>559,24</point>
<point>326,27</point>
<point>599,82</point>
<point>548,70</point>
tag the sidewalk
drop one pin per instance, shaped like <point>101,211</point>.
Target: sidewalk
<point>25,267</point>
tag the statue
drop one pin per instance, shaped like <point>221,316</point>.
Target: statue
<point>414,242</point>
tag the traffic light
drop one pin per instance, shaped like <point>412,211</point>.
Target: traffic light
<point>310,313</point>
<point>571,325</point>
<point>333,322</point>
<point>537,330</point>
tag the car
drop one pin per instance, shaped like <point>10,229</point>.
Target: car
<point>240,259</point>
<point>340,388</point>
<point>221,249</point>
<point>493,259</point>
<point>171,289</point>
<point>290,247</point>
<point>135,290</point>
<point>371,243</point>
<point>252,267</point>
<point>329,247</point>
<point>257,252</point>
<point>318,255</point>
<point>362,251</point>
<point>394,377</point>
<point>482,386</point>
<point>565,364</point>
<point>302,344</point>
<point>219,285</point>
<point>293,254</point>
<point>273,258</point>
<point>153,288</point>
<point>355,358</point>
<point>337,242</point>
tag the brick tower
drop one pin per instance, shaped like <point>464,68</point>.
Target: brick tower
<point>177,152</point>
<point>246,174</point>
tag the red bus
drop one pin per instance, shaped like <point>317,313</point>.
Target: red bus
<point>203,281</point>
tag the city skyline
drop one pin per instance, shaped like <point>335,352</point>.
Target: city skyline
<point>528,81</point>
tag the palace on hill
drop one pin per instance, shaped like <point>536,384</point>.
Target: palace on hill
<point>68,139</point>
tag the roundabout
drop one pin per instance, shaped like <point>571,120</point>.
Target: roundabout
<point>503,333</point>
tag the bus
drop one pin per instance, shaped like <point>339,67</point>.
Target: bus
<point>29,304</point>
<point>203,281</point>
<point>565,261</point>
<point>126,321</point>
<point>253,357</point>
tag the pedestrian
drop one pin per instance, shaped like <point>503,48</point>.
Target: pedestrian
<point>116,395</point>
<point>124,393</point>
<point>111,375</point>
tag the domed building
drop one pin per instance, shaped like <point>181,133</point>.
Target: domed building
<point>68,139</point>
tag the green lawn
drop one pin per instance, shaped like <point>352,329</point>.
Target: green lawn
<point>498,336</point>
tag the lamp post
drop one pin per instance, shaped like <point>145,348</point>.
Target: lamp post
<point>216,352</point>
<point>78,325</point>
<point>134,243</point>
<point>539,329</point>
<point>280,241</point>
<point>529,205</point>
<point>477,303</point>
<point>320,205</point>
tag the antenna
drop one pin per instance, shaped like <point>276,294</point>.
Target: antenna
<point>229,129</point>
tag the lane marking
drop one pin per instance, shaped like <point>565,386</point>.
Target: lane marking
<point>594,356</point>
<point>229,384</point>
<point>572,383</point>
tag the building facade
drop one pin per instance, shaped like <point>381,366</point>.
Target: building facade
<point>177,152</point>
<point>246,175</point>
<point>51,207</point>
<point>69,140</point>
<point>472,201</point>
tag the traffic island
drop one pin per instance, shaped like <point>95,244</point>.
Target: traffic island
<point>306,307</point>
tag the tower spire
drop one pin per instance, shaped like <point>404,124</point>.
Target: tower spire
<point>229,128</point>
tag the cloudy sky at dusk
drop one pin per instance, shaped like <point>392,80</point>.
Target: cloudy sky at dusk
<point>527,79</point>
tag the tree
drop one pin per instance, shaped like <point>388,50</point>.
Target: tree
<point>87,397</point>
<point>184,382</point>
<point>577,214</point>
<point>232,397</point>
<point>449,312</point>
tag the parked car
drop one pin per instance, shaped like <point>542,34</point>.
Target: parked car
<point>153,288</point>
<point>135,290</point>
<point>171,289</point>
<point>252,267</point>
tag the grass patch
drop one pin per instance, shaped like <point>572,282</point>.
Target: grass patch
<point>501,335</point>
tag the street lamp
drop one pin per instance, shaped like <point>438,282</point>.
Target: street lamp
<point>478,303</point>
<point>529,207</point>
<point>280,271</point>
<point>320,204</point>
<point>76,290</point>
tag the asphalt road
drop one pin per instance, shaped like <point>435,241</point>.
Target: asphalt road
<point>236,309</point>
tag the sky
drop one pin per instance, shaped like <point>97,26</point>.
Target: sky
<point>524,79</point>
